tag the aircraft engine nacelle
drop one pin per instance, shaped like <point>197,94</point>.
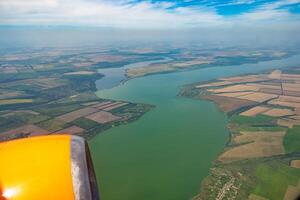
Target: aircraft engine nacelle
<point>56,167</point>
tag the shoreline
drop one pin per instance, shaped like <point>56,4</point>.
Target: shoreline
<point>203,66</point>
<point>232,168</point>
<point>191,68</point>
<point>137,86</point>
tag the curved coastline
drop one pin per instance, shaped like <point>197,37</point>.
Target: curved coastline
<point>136,90</point>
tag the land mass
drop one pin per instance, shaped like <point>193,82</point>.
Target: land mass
<point>205,58</point>
<point>56,95</point>
<point>52,90</point>
<point>261,159</point>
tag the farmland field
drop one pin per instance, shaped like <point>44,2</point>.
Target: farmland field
<point>265,137</point>
<point>15,101</point>
<point>141,131</point>
<point>273,180</point>
<point>292,140</point>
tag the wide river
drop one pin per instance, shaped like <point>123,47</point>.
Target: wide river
<point>168,152</point>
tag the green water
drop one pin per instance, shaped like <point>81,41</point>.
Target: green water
<point>166,154</point>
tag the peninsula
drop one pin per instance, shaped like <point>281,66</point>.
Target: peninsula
<point>262,158</point>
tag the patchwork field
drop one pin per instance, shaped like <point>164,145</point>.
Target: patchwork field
<point>212,58</point>
<point>70,119</point>
<point>61,84</point>
<point>274,182</point>
<point>76,114</point>
<point>51,91</point>
<point>261,160</point>
<point>269,90</point>
<point>254,145</point>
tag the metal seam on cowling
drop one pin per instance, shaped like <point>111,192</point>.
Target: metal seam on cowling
<point>79,169</point>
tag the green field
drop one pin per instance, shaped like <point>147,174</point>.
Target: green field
<point>54,110</point>
<point>291,140</point>
<point>262,128</point>
<point>26,117</point>
<point>15,101</point>
<point>52,125</point>
<point>256,120</point>
<point>86,123</point>
<point>273,180</point>
<point>6,124</point>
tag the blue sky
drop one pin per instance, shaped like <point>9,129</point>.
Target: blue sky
<point>230,7</point>
<point>150,13</point>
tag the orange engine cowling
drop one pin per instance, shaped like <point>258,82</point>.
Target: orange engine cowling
<point>56,167</point>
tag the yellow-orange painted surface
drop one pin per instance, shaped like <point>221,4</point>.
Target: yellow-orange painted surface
<point>37,168</point>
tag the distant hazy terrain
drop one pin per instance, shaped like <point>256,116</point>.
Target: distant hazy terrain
<point>43,89</point>
<point>121,93</point>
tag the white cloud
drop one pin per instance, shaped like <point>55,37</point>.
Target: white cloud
<point>270,12</point>
<point>101,13</point>
<point>266,15</point>
<point>124,14</point>
<point>278,4</point>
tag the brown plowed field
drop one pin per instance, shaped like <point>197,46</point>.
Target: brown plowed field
<point>30,129</point>
<point>102,107</point>
<point>289,99</point>
<point>70,130</point>
<point>271,91</point>
<point>228,104</point>
<point>103,117</point>
<point>292,192</point>
<point>255,111</point>
<point>101,104</point>
<point>284,103</point>
<point>288,122</point>
<point>295,163</point>
<point>77,114</point>
<point>232,94</point>
<point>258,97</point>
<point>254,145</point>
<point>235,88</point>
<point>115,106</point>
<point>221,83</point>
<point>279,112</point>
<point>245,79</point>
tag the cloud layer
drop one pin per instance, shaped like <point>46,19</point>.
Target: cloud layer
<point>148,14</point>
